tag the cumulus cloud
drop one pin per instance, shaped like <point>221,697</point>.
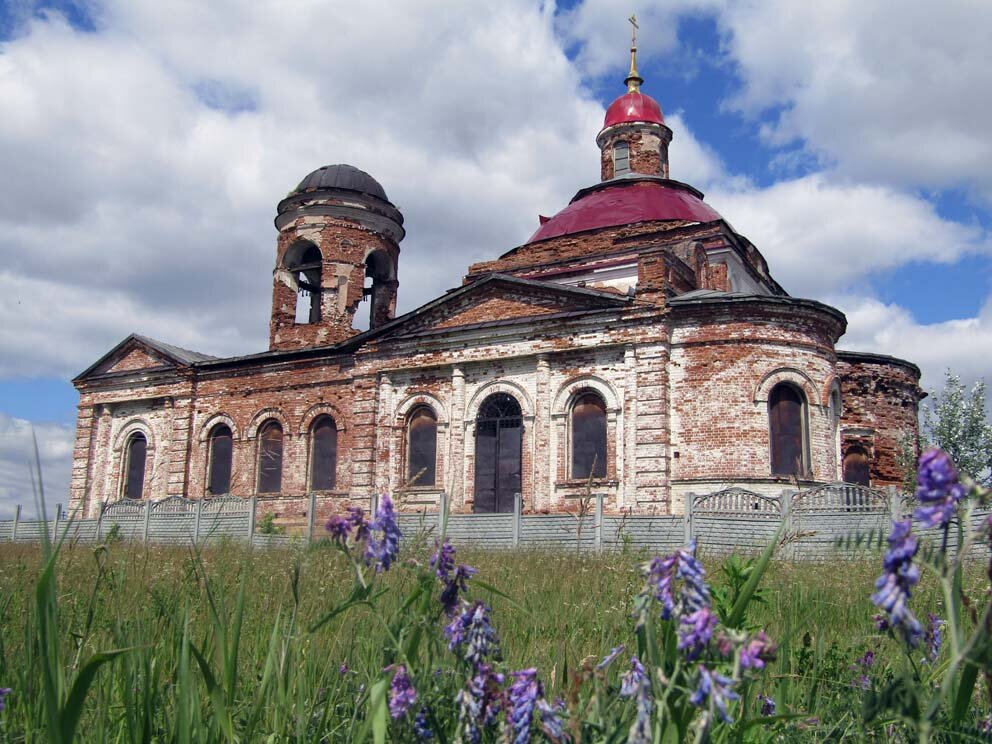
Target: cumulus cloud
<point>17,462</point>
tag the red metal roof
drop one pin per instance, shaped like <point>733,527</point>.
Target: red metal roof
<point>624,204</point>
<point>633,106</point>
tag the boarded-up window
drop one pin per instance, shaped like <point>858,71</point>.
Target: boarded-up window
<point>621,158</point>
<point>422,447</point>
<point>785,414</point>
<point>589,437</point>
<point>856,468</point>
<point>270,458</point>
<point>323,454</point>
<point>134,480</point>
<point>221,442</point>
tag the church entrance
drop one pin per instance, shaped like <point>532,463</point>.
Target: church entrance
<point>498,436</point>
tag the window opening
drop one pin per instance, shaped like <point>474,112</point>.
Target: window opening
<point>621,158</point>
<point>136,454</point>
<point>323,454</point>
<point>422,447</point>
<point>498,442</point>
<point>270,458</point>
<point>856,467</point>
<point>786,412</point>
<point>307,272</point>
<point>589,437</point>
<point>221,449</point>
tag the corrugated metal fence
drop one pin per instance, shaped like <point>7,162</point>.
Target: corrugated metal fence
<point>823,522</point>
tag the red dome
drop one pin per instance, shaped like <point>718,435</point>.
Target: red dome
<point>627,203</point>
<point>633,106</point>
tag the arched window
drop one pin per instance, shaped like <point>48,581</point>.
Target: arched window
<point>303,260</point>
<point>134,466</point>
<point>219,468</point>
<point>621,158</point>
<point>589,436</point>
<point>270,458</point>
<point>323,454</point>
<point>787,425</point>
<point>499,430</point>
<point>421,438</point>
<point>856,468</point>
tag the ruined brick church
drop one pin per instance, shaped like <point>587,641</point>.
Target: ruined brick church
<point>636,342</point>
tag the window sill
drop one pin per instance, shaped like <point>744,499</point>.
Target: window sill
<point>583,482</point>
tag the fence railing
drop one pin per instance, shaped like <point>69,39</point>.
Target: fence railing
<point>818,523</point>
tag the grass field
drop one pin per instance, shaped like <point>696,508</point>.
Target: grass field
<point>203,665</point>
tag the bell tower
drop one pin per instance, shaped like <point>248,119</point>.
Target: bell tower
<point>634,139</point>
<point>336,259</point>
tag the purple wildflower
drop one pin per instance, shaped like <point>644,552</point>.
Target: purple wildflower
<point>661,574</point>
<point>356,516</point>
<point>339,527</point>
<point>716,688</point>
<point>456,582</point>
<point>894,586</point>
<point>478,704</point>
<point>767,705</point>
<point>4,692</point>
<point>343,669</point>
<point>758,651</point>
<point>635,683</point>
<point>938,489</point>
<point>695,632</point>
<point>862,665</point>
<point>551,723</point>
<point>421,727</point>
<point>633,680</point>
<point>521,699</point>
<point>471,628</point>
<point>402,694</point>
<point>881,623</point>
<point>932,638</point>
<point>608,659</point>
<point>382,550</point>
<point>443,560</point>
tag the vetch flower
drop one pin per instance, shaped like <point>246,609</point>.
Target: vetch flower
<point>521,699</point>
<point>421,727</point>
<point>715,687</point>
<point>633,680</point>
<point>608,659</point>
<point>758,651</point>
<point>478,704</point>
<point>932,638</point>
<point>356,516</point>
<point>456,582</point>
<point>881,624</point>
<point>635,683</point>
<point>343,669</point>
<point>402,694</point>
<point>382,549</point>
<point>695,632</point>
<point>4,692</point>
<point>767,705</point>
<point>443,560</point>
<point>894,586</point>
<point>339,527</point>
<point>661,574</point>
<point>472,630</point>
<point>938,489</point>
<point>550,722</point>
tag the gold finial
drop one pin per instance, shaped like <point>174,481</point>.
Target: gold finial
<point>633,80</point>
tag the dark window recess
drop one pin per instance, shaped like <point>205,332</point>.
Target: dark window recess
<point>324,454</point>
<point>621,158</point>
<point>307,270</point>
<point>270,458</point>
<point>589,437</point>
<point>137,450</point>
<point>498,439</point>
<point>785,413</point>
<point>856,468</point>
<point>422,443</point>
<point>221,444</point>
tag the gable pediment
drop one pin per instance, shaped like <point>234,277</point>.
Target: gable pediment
<point>138,353</point>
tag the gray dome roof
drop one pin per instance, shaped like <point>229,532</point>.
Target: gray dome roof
<point>341,177</point>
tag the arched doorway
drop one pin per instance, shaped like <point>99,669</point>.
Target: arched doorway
<point>856,466</point>
<point>498,436</point>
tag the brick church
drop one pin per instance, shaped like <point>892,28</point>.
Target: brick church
<point>636,341</point>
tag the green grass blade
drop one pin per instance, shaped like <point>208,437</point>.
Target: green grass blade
<point>221,713</point>
<point>747,591</point>
<point>73,708</point>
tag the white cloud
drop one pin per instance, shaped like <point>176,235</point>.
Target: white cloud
<point>17,463</point>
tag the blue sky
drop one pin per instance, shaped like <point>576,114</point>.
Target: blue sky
<point>147,148</point>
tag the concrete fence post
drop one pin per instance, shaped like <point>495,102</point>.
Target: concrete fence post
<point>99,520</point>
<point>687,516</point>
<point>147,520</point>
<point>55,522</point>
<point>311,516</point>
<point>599,522</point>
<point>17,519</point>
<point>374,504</point>
<point>895,503</point>
<point>518,508</point>
<point>196,521</point>
<point>442,515</point>
<point>251,519</point>
<point>788,532</point>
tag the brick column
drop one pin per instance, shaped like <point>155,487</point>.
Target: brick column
<point>81,453</point>
<point>627,493</point>
<point>455,461</point>
<point>363,437</point>
<point>544,474</point>
<point>386,470</point>
<point>651,439</point>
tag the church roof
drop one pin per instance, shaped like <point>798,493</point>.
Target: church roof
<point>624,201</point>
<point>341,176</point>
<point>633,106</point>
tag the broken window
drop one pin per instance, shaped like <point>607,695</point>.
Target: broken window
<point>323,454</point>
<point>589,436</point>
<point>378,290</point>
<point>270,457</point>
<point>134,467</point>
<point>219,469</point>
<point>422,447</point>
<point>786,416</point>
<point>856,469</point>
<point>304,262</point>
<point>621,158</point>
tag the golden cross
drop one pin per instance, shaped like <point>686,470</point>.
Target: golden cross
<point>633,30</point>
